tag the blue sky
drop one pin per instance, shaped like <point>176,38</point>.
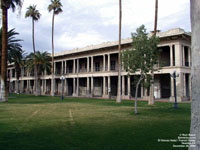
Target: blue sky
<point>90,22</point>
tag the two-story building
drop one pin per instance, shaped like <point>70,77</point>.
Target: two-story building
<point>93,71</point>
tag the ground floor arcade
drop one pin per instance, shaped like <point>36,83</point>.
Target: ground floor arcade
<point>106,87</point>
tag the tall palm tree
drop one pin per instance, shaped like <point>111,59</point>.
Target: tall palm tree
<point>195,107</point>
<point>151,98</point>
<point>42,61</point>
<point>55,6</point>
<point>5,5</point>
<point>118,100</point>
<point>14,50</point>
<point>34,14</point>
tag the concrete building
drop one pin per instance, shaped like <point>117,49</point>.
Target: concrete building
<point>92,71</point>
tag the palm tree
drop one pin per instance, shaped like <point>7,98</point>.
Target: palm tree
<point>55,6</point>
<point>195,117</point>
<point>42,61</point>
<point>151,98</point>
<point>118,100</point>
<point>5,5</point>
<point>14,50</point>
<point>17,57</point>
<point>33,13</point>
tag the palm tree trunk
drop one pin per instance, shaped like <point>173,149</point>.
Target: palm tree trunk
<point>35,67</point>
<point>52,69</point>
<point>195,107</point>
<point>156,17</point>
<point>119,55</point>
<point>4,88</point>
<point>151,98</point>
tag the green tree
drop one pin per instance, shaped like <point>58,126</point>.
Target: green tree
<point>118,100</point>
<point>195,107</point>
<point>55,6</point>
<point>42,61</point>
<point>34,14</point>
<point>5,5</point>
<point>141,58</point>
<point>17,57</point>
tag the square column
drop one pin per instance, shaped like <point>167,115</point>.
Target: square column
<point>45,86</point>
<point>88,64</point>
<point>66,87</point>
<point>108,62</point>
<point>104,62</point>
<point>109,89</point>
<point>104,86</point>
<point>77,87</point>
<point>88,86</point>
<point>129,86</point>
<point>74,86</point>
<point>74,66</point>
<point>172,99</point>
<point>92,86</point>
<point>180,87</point>
<point>92,63</point>
<point>178,54</point>
<point>183,55</point>
<point>171,55</point>
<point>77,71</point>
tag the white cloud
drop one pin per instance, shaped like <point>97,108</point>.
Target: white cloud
<point>80,40</point>
<point>86,22</point>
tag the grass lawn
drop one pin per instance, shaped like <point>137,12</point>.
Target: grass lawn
<point>47,123</point>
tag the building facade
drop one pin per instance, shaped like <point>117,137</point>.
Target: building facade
<point>93,71</point>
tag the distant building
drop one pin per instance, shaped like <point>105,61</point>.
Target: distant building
<point>92,71</point>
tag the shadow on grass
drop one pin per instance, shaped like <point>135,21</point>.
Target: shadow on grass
<point>91,136</point>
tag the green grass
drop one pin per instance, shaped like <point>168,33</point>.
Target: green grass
<point>35,123</point>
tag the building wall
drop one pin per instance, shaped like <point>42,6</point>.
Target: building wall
<point>85,79</point>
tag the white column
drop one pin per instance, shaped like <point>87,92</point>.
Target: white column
<point>172,89</point>
<point>74,86</point>
<point>171,55</point>
<point>66,67</point>
<point>77,87</point>
<point>178,54</point>
<point>77,66</point>
<point>184,83</point>
<point>108,62</point>
<point>109,88</point>
<point>104,62</point>
<point>66,87</point>
<point>104,86</point>
<point>123,85</point>
<point>88,86</point>
<point>88,64</point>
<point>45,86</point>
<point>92,63</point>
<point>92,86</point>
<point>129,86</point>
<point>183,54</point>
